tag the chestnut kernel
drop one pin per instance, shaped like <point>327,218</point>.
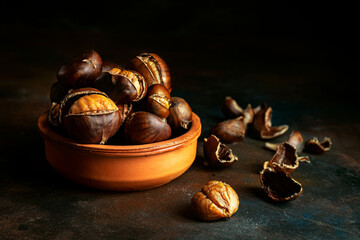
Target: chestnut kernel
<point>81,71</point>
<point>144,127</point>
<point>158,100</point>
<point>180,116</point>
<point>216,200</point>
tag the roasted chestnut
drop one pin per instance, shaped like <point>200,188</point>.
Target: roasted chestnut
<point>81,71</point>
<point>89,116</point>
<point>153,68</point>
<point>180,116</point>
<point>158,100</point>
<point>57,92</point>
<point>217,154</point>
<point>122,85</point>
<point>144,127</point>
<point>216,200</point>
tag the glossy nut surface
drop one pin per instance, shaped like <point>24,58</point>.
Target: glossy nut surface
<point>158,100</point>
<point>81,71</point>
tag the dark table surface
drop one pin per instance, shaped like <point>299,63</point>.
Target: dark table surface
<point>298,62</point>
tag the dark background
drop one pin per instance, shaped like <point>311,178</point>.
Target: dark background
<point>299,57</point>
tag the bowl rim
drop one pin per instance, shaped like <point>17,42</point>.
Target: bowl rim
<point>149,148</point>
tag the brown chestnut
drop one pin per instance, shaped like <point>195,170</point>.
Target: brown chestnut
<point>158,100</point>
<point>57,92</point>
<point>122,85</point>
<point>180,116</point>
<point>144,127</point>
<point>216,200</point>
<point>153,68</point>
<point>89,116</point>
<point>81,71</point>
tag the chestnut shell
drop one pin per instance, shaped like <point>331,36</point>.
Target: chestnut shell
<point>180,116</point>
<point>158,100</point>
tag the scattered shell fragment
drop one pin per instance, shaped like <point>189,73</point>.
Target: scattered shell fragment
<point>314,146</point>
<point>295,139</point>
<point>262,126</point>
<point>278,184</point>
<point>217,154</point>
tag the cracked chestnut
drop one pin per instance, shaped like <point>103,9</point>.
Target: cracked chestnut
<point>89,116</point>
<point>153,68</point>
<point>81,71</point>
<point>144,127</point>
<point>122,85</point>
<point>216,200</point>
<point>158,100</point>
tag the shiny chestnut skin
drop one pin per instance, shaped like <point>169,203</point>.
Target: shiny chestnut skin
<point>158,100</point>
<point>81,71</point>
<point>144,127</point>
<point>89,116</point>
<point>153,68</point>
<point>180,116</point>
<point>122,85</point>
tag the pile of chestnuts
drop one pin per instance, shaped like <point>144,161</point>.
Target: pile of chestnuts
<point>94,100</point>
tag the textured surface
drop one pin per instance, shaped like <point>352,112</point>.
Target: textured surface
<point>298,62</point>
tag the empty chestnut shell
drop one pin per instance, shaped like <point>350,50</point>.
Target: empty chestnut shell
<point>278,184</point>
<point>231,108</point>
<point>262,124</point>
<point>81,71</point>
<point>180,115</point>
<point>295,139</point>
<point>314,146</point>
<point>153,68</point>
<point>287,158</point>
<point>92,118</point>
<point>217,154</point>
<point>144,127</point>
<point>216,200</point>
<point>158,100</point>
<point>232,130</point>
<point>122,85</point>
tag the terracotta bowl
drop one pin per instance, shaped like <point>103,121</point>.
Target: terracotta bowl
<point>120,167</point>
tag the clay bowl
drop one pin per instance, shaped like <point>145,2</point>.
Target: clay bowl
<point>121,167</point>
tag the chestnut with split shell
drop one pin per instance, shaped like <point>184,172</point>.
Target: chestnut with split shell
<point>278,184</point>
<point>314,146</point>
<point>216,200</point>
<point>158,100</point>
<point>144,127</point>
<point>217,154</point>
<point>122,85</point>
<point>81,71</point>
<point>262,127</point>
<point>153,68</point>
<point>89,116</point>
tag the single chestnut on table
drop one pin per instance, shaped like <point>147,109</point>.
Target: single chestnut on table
<point>153,68</point>
<point>216,200</point>
<point>82,71</point>
<point>89,116</point>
